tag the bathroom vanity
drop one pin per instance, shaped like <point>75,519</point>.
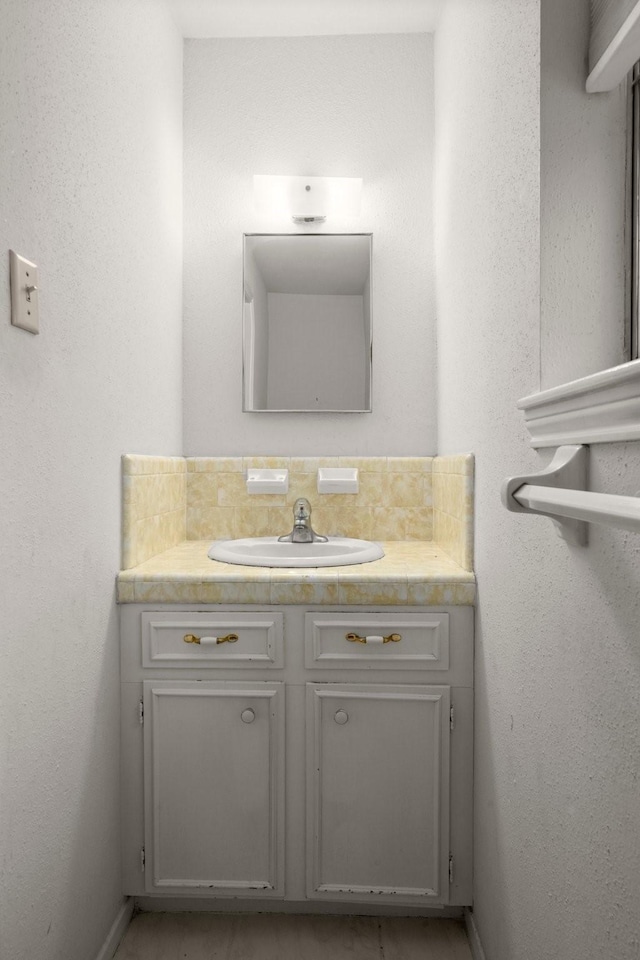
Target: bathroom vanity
<point>307,751</point>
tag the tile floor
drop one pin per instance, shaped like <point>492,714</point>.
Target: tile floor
<point>202,936</point>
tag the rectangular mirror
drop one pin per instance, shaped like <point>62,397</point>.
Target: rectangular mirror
<point>307,323</point>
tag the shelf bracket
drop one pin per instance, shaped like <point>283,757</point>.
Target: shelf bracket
<point>568,471</point>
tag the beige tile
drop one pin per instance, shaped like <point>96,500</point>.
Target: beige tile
<point>441,594</point>
<point>419,524</point>
<point>305,592</point>
<point>174,527</point>
<point>281,521</point>
<point>236,592</point>
<point>438,483</point>
<point>427,490</point>
<point>403,490</point>
<point>466,464</point>
<point>409,464</point>
<point>343,521</point>
<point>125,591</point>
<point>380,571</point>
<point>303,465</point>
<point>331,502</point>
<point>158,493</point>
<point>441,465</point>
<point>202,489</point>
<point>368,464</point>
<point>302,485</point>
<point>253,522</point>
<point>232,489</point>
<point>215,523</point>
<point>372,592</point>
<point>138,464</point>
<point>461,464</point>
<point>214,464</point>
<point>167,592</point>
<point>265,463</point>
<point>232,492</point>
<point>457,495</point>
<point>450,489</point>
<point>446,531</point>
<point>372,489</point>
<point>388,523</point>
<point>410,572</point>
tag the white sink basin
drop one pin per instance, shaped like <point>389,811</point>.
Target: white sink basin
<point>270,552</point>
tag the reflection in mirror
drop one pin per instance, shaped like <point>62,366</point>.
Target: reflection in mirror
<point>307,323</point>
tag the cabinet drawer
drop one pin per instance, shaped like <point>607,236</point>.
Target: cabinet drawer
<point>398,641</point>
<point>186,639</point>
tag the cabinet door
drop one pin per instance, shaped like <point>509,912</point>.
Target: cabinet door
<point>377,792</point>
<point>214,787</point>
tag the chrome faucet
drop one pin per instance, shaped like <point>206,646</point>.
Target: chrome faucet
<point>302,531</point>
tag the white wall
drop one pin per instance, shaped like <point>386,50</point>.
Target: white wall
<point>557,850</point>
<point>343,106</point>
<point>90,188</point>
<point>582,171</point>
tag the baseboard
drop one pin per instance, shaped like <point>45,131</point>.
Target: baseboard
<point>473,936</point>
<point>117,930</point>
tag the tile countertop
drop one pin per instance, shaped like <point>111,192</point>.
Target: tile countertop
<point>411,572</point>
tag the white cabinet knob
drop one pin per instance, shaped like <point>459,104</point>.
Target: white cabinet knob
<point>248,715</point>
<point>341,716</point>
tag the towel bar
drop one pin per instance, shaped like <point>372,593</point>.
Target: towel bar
<point>559,492</point>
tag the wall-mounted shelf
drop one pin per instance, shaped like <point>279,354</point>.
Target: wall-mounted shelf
<point>601,408</point>
<point>559,492</point>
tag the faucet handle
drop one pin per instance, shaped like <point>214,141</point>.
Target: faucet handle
<point>302,509</point>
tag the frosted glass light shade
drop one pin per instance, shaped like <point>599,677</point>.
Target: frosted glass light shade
<point>307,197</point>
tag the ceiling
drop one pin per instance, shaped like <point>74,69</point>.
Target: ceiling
<point>300,18</point>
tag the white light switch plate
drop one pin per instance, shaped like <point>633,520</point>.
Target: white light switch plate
<point>24,293</point>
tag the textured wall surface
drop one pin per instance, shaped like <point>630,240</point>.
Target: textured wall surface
<point>582,226</point>
<point>335,106</point>
<point>557,761</point>
<point>90,189</point>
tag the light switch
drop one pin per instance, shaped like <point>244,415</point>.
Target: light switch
<point>24,293</point>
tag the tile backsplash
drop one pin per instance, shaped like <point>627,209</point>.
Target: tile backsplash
<point>393,503</point>
<point>453,507</point>
<point>154,496</point>
<point>170,499</point>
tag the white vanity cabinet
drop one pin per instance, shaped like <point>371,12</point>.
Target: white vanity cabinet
<point>363,793</point>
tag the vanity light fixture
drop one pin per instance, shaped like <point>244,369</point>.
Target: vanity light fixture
<point>307,199</point>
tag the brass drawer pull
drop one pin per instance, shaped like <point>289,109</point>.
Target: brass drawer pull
<point>392,638</point>
<point>191,638</point>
